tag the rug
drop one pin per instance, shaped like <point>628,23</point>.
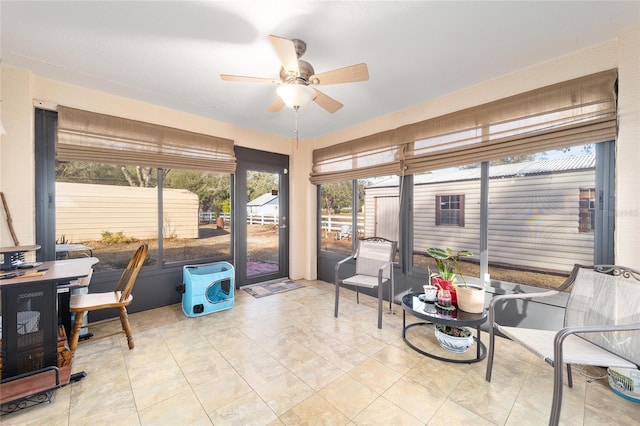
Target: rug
<point>267,289</point>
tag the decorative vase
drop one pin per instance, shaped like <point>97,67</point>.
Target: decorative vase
<point>445,285</point>
<point>471,298</point>
<point>451,342</point>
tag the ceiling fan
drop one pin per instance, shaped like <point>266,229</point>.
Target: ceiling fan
<point>296,77</point>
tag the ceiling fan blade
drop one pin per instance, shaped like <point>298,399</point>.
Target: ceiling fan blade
<point>349,74</point>
<point>228,77</point>
<point>276,105</point>
<point>327,102</point>
<point>286,51</point>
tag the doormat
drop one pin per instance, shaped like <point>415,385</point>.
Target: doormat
<point>267,289</point>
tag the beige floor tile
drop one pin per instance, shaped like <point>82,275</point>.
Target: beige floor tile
<point>375,375</point>
<point>221,390</point>
<point>384,412</point>
<point>286,360</point>
<point>181,409</point>
<point>400,359</point>
<point>348,395</point>
<point>284,392</point>
<point>248,410</point>
<point>415,399</point>
<point>451,413</point>
<point>313,411</point>
<point>317,372</point>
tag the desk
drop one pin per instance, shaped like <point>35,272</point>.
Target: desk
<point>30,361</point>
<point>426,311</point>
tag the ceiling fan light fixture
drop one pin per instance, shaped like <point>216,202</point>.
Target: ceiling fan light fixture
<point>296,95</point>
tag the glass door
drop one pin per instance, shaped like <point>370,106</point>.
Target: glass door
<point>262,181</point>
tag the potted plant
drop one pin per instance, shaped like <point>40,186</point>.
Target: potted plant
<point>448,267</point>
<point>469,298</point>
<point>454,339</point>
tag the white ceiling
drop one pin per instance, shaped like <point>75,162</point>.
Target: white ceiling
<point>172,53</point>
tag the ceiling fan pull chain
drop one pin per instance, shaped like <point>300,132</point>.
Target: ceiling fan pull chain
<point>296,108</point>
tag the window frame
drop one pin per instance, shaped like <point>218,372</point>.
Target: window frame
<point>460,210</point>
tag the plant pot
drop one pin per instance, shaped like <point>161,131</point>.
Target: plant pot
<point>471,298</point>
<point>445,285</point>
<point>456,344</point>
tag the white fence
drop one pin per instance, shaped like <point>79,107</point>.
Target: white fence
<point>331,224</point>
<point>252,218</point>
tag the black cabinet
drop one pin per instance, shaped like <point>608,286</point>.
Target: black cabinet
<point>29,327</point>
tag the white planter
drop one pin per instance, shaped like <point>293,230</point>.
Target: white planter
<point>454,344</point>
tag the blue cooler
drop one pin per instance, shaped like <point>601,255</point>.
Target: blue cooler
<point>207,288</point>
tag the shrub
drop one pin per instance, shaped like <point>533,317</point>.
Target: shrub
<point>115,238</point>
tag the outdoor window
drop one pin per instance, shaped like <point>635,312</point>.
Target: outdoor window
<point>535,201</point>
<point>108,210</point>
<point>587,209</point>
<point>196,215</point>
<point>450,210</point>
<point>439,215</point>
<point>336,211</point>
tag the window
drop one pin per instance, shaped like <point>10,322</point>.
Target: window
<point>450,210</point>
<point>107,210</point>
<point>373,210</point>
<point>336,216</point>
<point>535,201</point>
<point>587,209</point>
<point>196,215</point>
<point>439,215</point>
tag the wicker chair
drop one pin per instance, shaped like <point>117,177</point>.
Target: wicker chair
<point>601,325</point>
<point>120,298</point>
<point>374,267</point>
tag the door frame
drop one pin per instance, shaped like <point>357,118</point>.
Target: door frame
<point>262,161</point>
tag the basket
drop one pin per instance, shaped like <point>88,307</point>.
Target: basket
<point>471,298</point>
<point>625,382</point>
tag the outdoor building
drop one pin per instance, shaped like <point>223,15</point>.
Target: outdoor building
<point>265,204</point>
<point>542,210</point>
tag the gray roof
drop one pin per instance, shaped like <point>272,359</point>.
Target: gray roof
<point>555,165</point>
<point>262,200</point>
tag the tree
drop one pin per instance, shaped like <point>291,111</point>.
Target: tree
<point>259,183</point>
<point>336,196</point>
<point>212,189</point>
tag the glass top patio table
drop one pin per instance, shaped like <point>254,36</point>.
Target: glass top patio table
<point>413,304</point>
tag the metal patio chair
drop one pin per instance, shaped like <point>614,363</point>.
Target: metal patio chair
<point>374,267</point>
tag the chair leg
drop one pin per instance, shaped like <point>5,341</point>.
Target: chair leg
<point>492,343</point>
<point>379,305</point>
<point>392,294</point>
<point>75,332</point>
<point>124,320</point>
<point>335,314</point>
<point>357,295</point>
<point>569,376</point>
<point>556,405</point>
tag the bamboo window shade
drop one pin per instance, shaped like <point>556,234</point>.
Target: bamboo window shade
<point>570,113</point>
<point>92,137</point>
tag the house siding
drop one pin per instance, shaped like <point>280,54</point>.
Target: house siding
<point>533,220</point>
<point>85,211</point>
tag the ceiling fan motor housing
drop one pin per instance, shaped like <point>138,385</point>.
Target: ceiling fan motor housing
<point>306,71</point>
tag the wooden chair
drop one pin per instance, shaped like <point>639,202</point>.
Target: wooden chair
<point>601,325</point>
<point>120,298</point>
<point>374,267</point>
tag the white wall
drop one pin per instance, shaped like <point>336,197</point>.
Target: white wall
<point>21,89</point>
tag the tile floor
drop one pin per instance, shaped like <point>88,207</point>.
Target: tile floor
<point>285,360</point>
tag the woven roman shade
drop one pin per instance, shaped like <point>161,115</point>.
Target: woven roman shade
<point>99,138</point>
<point>574,112</point>
<point>374,155</point>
